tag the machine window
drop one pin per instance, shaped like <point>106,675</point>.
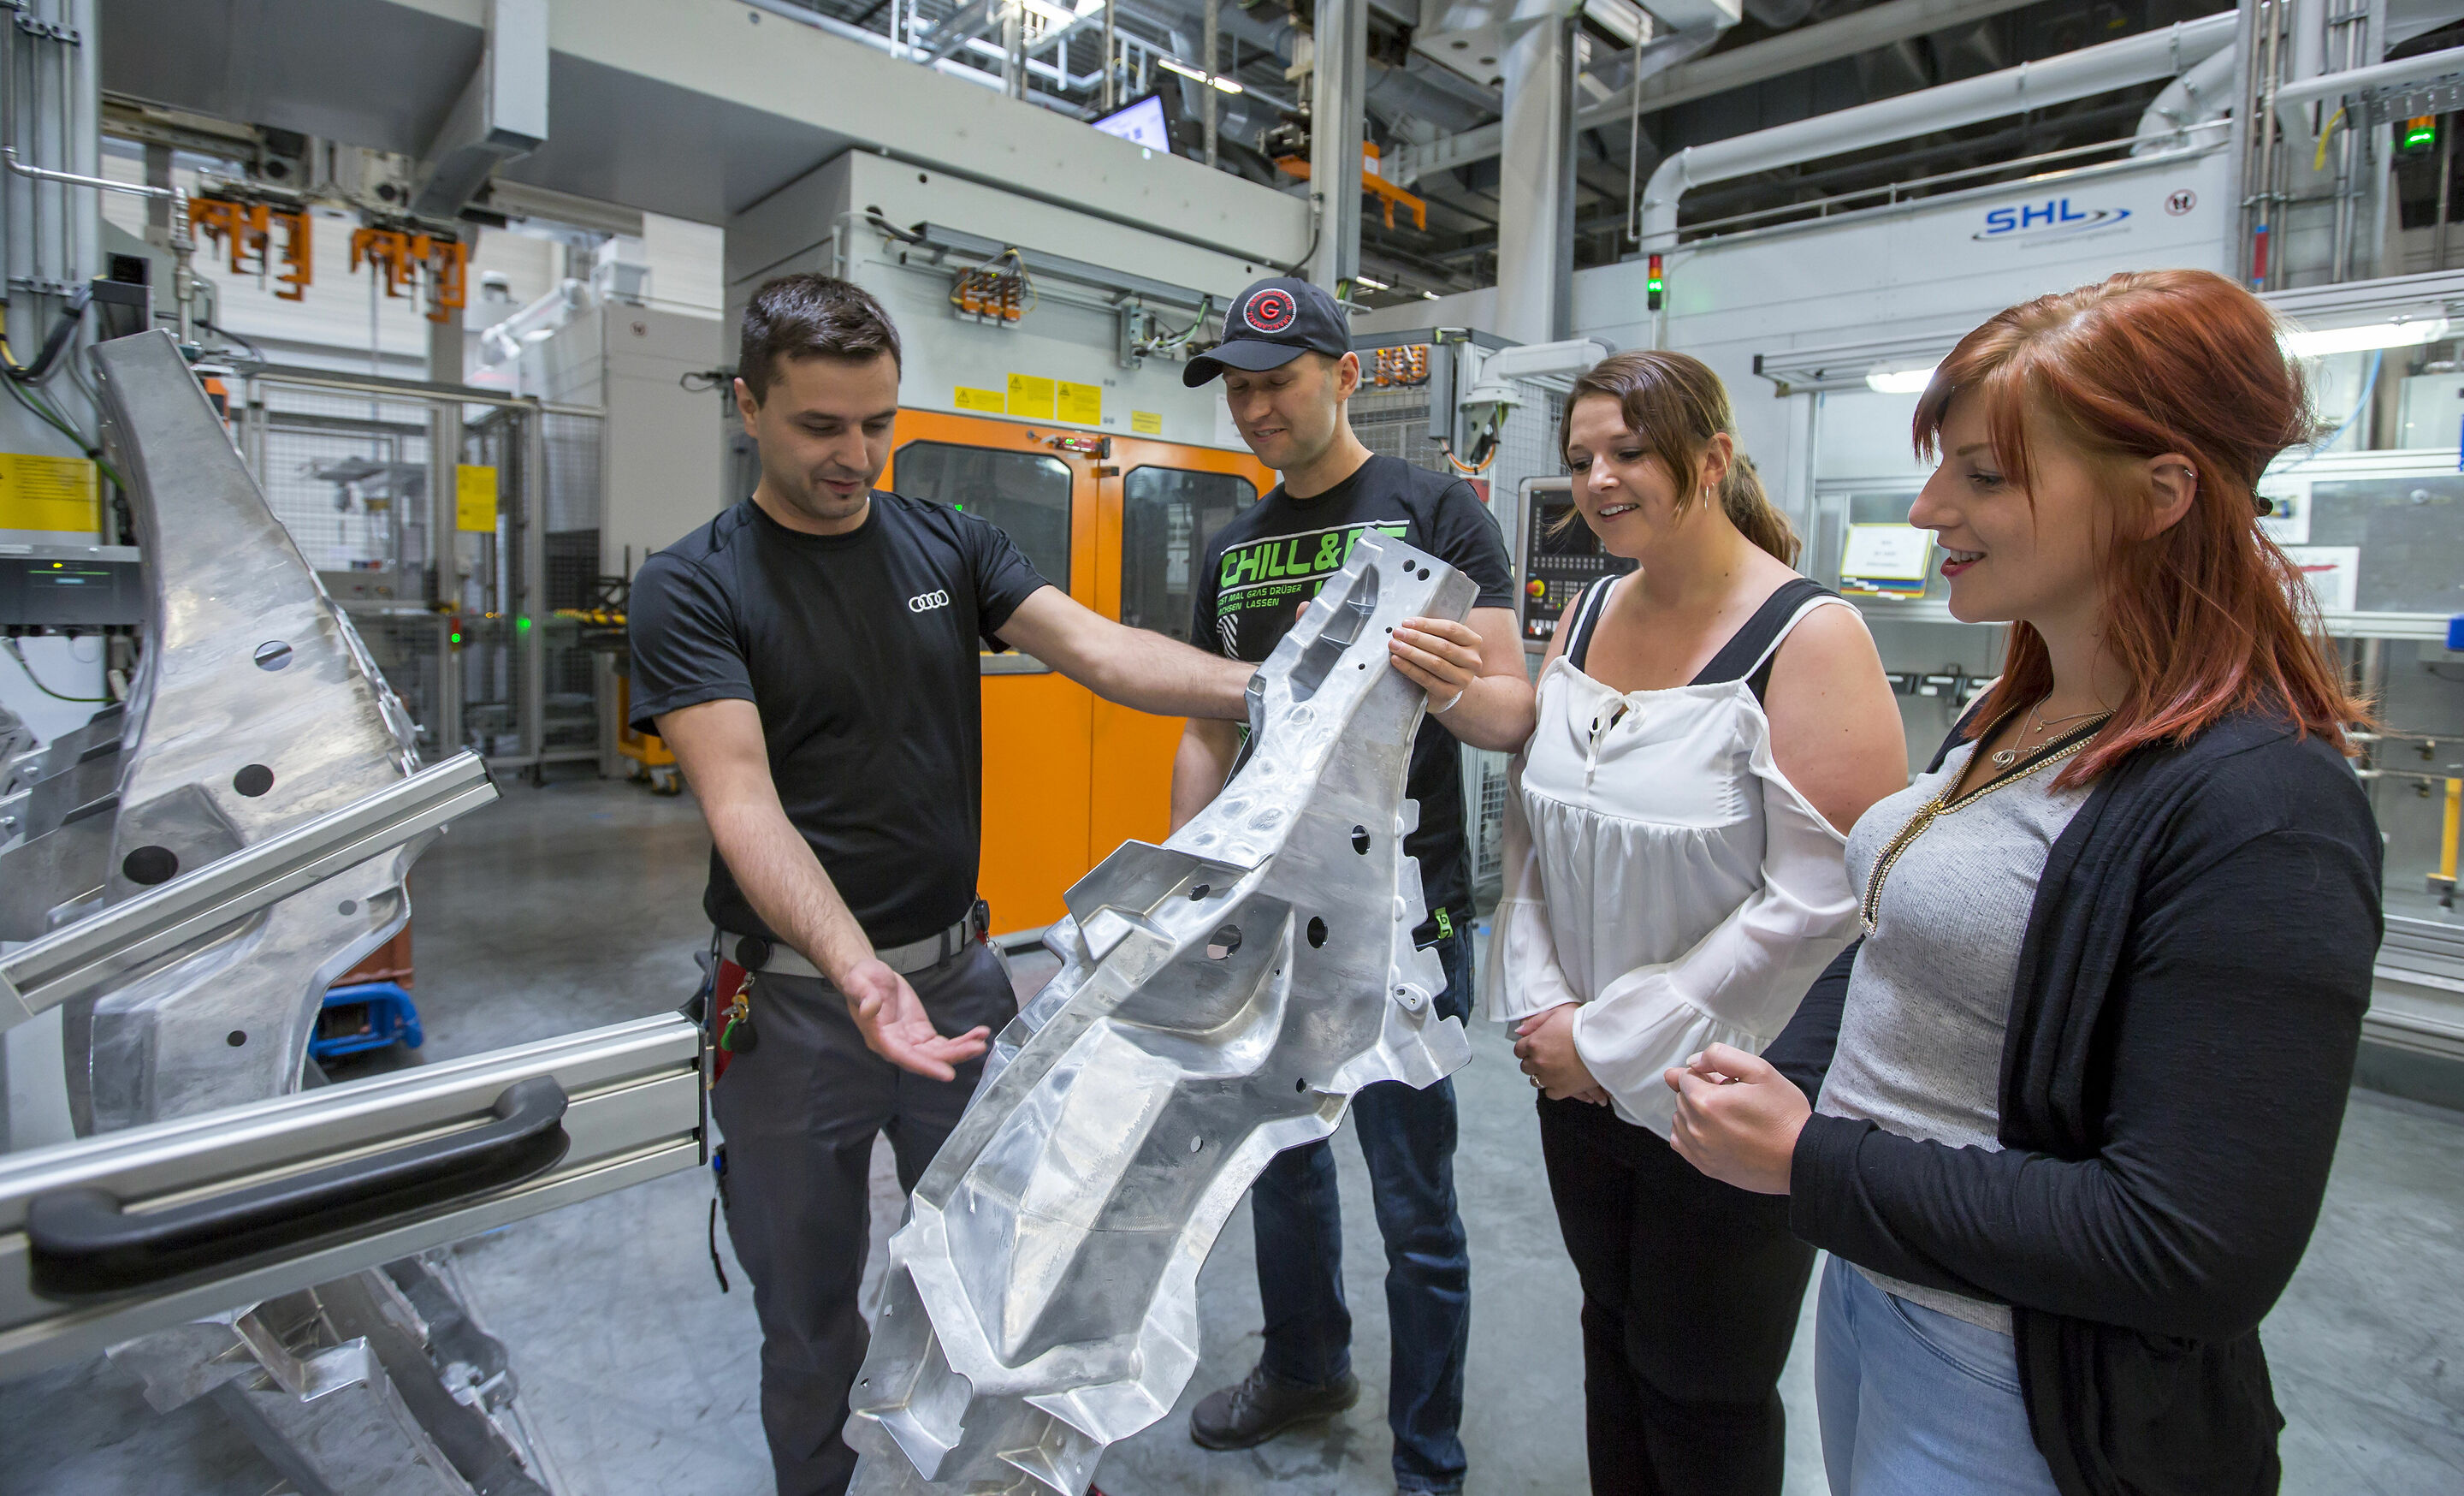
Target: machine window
<point>1168,514</point>
<point>1024,493</point>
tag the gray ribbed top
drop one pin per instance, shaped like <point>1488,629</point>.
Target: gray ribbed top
<point>1921,1037</point>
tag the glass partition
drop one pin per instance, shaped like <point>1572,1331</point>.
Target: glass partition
<point>1026,494</point>
<point>1167,515</point>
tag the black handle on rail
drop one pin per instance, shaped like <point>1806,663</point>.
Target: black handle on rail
<point>85,1245</point>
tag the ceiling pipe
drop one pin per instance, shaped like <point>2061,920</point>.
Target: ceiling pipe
<point>2201,96</point>
<point>2205,94</point>
<point>2387,75</point>
<point>2030,86</point>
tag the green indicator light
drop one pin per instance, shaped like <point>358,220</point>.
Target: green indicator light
<point>2420,131</point>
<point>522,625</point>
<point>453,638</point>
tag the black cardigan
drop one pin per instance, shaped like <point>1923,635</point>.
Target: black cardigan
<point>2180,1043</point>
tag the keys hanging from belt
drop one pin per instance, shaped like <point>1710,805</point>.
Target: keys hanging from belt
<point>737,1035</point>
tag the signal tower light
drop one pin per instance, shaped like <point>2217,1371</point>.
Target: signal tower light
<point>2420,132</point>
<point>1653,286</point>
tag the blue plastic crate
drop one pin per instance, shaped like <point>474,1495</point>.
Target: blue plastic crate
<point>363,1016</point>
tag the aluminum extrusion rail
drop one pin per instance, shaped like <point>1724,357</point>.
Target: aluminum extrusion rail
<point>79,958</point>
<point>1221,999</point>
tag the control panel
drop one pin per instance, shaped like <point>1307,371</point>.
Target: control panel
<point>1556,558</point>
<point>43,588</point>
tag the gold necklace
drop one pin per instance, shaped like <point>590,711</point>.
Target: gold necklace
<point>1869,908</point>
<point>2004,758</point>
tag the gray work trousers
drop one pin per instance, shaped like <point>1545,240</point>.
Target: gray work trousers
<point>799,1114</point>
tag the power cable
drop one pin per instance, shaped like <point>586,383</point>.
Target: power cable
<point>17,653</point>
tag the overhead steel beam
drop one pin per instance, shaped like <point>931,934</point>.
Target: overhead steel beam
<point>501,115</point>
<point>1794,51</point>
<point>961,27</point>
<point>1337,82</point>
<point>1791,52</point>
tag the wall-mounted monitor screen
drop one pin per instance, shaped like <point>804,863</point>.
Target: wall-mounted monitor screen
<point>1144,121</point>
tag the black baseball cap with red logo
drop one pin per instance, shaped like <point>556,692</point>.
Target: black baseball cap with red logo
<point>1272,324</point>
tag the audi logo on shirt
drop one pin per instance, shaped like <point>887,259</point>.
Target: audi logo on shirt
<point>926,602</point>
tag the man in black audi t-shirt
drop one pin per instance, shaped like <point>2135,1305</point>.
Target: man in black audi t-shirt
<point>1288,370</point>
<point>811,656</point>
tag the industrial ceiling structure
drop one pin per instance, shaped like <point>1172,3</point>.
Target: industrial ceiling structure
<point>1433,95</point>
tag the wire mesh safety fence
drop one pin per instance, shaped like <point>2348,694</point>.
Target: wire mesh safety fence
<point>347,477</point>
<point>480,658</point>
<point>1395,421</point>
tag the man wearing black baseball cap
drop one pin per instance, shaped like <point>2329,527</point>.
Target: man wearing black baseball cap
<point>1288,371</point>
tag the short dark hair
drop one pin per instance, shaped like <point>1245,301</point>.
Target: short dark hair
<point>810,316</point>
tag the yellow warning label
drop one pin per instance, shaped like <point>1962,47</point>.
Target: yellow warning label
<point>989,401</point>
<point>1083,404</point>
<point>1147,423</point>
<point>40,493</point>
<point>1031,396</point>
<point>475,498</point>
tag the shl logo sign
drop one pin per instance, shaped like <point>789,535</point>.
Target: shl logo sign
<point>2055,218</point>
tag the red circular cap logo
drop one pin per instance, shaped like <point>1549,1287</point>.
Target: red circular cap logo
<point>1269,311</point>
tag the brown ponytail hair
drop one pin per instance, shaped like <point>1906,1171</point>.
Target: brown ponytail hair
<point>1677,405</point>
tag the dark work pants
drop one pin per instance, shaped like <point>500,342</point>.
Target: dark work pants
<point>799,1114</point>
<point>1690,1296</point>
<point>1408,1138</point>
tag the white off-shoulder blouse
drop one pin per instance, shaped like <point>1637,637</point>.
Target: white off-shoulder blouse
<point>1663,873</point>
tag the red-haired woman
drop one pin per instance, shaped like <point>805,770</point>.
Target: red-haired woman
<point>2088,1079</point>
<point>1674,880</point>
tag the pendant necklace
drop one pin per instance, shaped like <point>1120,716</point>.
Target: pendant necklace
<point>2004,758</point>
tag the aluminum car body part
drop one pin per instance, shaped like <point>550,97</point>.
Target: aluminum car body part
<point>1221,999</point>
<point>189,873</point>
<point>254,710</point>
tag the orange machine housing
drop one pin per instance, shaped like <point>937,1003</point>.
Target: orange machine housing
<point>1067,777</point>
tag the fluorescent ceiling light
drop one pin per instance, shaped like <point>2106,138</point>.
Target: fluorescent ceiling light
<point>1428,296</point>
<point>1900,381</point>
<point>1175,65</point>
<point>2407,334</point>
<point>1374,286</point>
<point>1090,6</point>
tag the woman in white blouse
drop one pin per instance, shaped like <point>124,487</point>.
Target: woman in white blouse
<point>1675,879</point>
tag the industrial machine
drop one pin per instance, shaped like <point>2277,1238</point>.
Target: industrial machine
<point>1557,557</point>
<point>181,881</point>
<point>1221,998</point>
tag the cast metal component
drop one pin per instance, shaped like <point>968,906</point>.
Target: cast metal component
<point>255,710</point>
<point>1221,999</point>
<point>191,871</point>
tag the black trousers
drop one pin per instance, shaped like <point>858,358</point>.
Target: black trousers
<point>799,1113</point>
<point>1690,1296</point>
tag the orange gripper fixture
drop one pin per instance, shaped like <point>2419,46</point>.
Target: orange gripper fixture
<point>299,257</point>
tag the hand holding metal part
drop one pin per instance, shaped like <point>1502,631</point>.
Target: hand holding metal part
<point>1221,999</point>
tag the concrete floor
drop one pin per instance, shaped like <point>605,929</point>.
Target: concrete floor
<point>579,904</point>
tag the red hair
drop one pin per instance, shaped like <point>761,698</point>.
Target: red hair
<point>2208,616</point>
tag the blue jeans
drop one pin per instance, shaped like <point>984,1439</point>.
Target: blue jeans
<point>1915,1402</point>
<point>1408,1139</point>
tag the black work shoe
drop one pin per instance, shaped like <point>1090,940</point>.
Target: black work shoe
<point>1258,1408</point>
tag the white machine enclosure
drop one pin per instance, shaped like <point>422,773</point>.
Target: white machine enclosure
<point>824,221</point>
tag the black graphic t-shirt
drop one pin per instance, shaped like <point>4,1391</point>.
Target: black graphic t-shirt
<point>860,653</point>
<point>1273,556</point>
